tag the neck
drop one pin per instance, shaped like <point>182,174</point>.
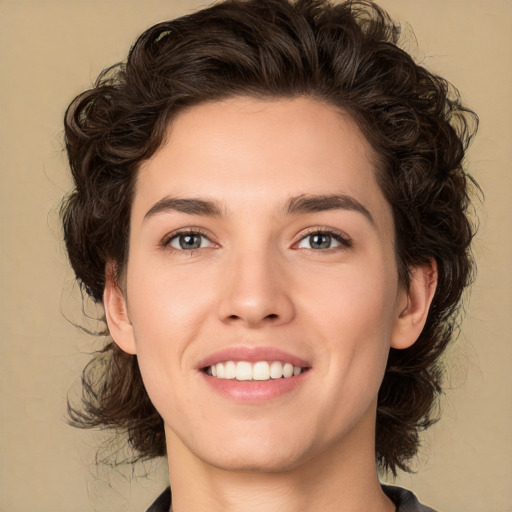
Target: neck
<point>340,479</point>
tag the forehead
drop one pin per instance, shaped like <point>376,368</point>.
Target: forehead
<point>246,151</point>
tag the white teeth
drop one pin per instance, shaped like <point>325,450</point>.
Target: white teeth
<point>261,370</point>
<point>230,370</point>
<point>243,370</point>
<point>220,370</point>
<point>287,370</point>
<point>276,370</point>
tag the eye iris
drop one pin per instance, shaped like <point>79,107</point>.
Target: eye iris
<point>320,241</point>
<point>190,241</point>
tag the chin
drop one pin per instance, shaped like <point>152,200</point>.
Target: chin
<point>258,454</point>
<point>257,462</point>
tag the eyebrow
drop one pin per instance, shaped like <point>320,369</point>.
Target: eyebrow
<point>203,207</point>
<point>320,203</point>
<point>296,205</point>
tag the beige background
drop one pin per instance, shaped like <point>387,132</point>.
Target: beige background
<point>49,51</point>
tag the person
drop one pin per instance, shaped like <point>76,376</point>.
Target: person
<point>270,204</point>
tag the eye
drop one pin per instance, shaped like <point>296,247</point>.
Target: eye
<point>323,240</point>
<point>189,241</point>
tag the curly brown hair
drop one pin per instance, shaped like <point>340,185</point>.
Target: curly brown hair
<point>345,54</point>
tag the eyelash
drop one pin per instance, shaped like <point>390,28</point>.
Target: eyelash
<point>166,242</point>
<point>342,238</point>
<point>337,235</point>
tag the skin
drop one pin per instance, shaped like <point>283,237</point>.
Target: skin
<point>256,281</point>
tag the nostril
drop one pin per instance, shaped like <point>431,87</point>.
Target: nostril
<point>271,316</point>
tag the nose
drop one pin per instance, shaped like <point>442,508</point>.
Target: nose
<point>256,292</point>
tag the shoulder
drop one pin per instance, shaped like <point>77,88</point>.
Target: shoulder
<point>405,500</point>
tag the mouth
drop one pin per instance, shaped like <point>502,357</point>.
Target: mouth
<point>254,374</point>
<point>254,371</point>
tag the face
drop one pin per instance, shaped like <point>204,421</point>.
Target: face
<point>261,251</point>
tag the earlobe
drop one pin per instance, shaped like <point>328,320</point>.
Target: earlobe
<point>412,313</point>
<point>116,313</point>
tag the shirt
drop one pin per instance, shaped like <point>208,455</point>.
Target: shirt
<point>404,500</point>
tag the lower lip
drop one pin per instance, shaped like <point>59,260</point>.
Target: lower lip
<point>258,391</point>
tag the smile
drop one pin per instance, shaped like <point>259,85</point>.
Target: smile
<point>258,371</point>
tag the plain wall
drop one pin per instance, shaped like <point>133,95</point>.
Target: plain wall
<point>50,50</point>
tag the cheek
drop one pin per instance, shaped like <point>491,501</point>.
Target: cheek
<point>356,320</point>
<point>165,303</point>
<point>170,309</point>
<point>355,314</point>
<point>167,314</point>
<point>358,300</point>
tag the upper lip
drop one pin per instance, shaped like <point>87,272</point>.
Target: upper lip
<point>252,354</point>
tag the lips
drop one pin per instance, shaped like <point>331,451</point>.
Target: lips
<point>253,374</point>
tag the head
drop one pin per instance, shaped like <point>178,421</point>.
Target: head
<point>342,56</point>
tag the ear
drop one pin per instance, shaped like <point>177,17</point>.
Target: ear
<point>413,305</point>
<point>116,312</point>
